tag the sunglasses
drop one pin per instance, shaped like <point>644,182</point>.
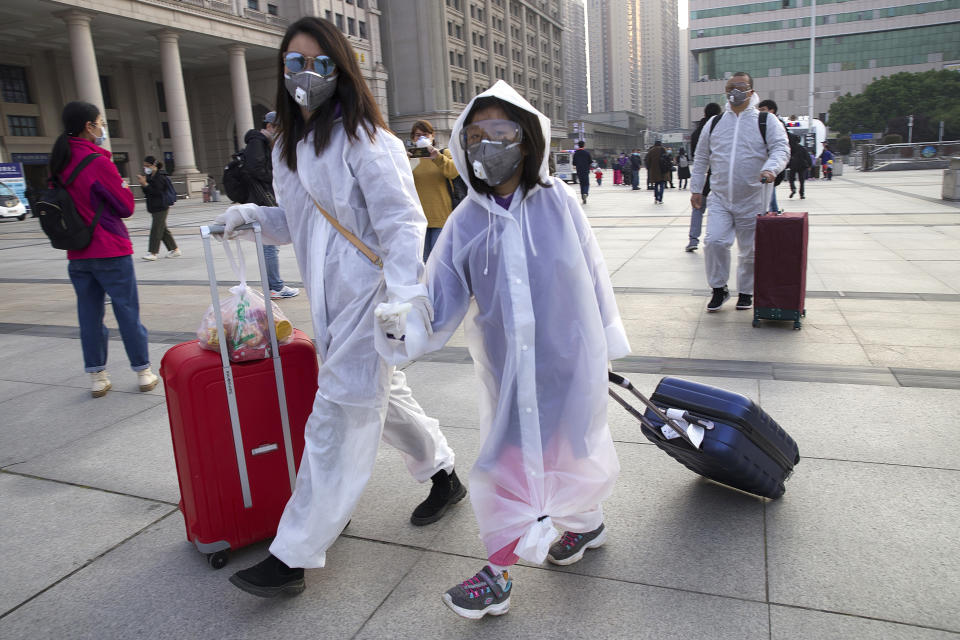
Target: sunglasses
<point>297,62</point>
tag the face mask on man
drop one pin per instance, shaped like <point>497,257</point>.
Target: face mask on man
<point>495,162</point>
<point>309,89</point>
<point>737,97</point>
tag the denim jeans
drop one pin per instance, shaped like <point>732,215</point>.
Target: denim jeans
<point>271,255</point>
<point>773,200</point>
<point>583,177</point>
<point>92,278</point>
<point>696,224</point>
<point>658,190</point>
<point>430,240</point>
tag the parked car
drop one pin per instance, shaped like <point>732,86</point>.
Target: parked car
<point>10,204</point>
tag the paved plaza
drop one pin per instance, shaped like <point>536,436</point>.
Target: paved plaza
<point>864,544</point>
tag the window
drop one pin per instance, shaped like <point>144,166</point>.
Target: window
<point>360,4</point>
<point>460,61</point>
<point>363,29</point>
<point>253,4</point>
<point>161,98</point>
<point>351,26</point>
<point>13,84</point>
<point>452,59</point>
<point>339,20</point>
<point>453,83</point>
<point>165,129</point>
<point>105,89</point>
<point>328,15</point>
<point>463,92</point>
<point>23,125</point>
<point>272,9</point>
<point>113,127</point>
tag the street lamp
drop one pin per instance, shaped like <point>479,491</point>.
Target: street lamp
<point>910,129</point>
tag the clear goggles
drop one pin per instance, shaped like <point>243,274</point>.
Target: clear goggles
<point>297,62</point>
<point>502,131</point>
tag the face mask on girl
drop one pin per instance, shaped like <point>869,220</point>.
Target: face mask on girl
<point>309,89</point>
<point>495,162</point>
<point>423,142</point>
<point>99,140</point>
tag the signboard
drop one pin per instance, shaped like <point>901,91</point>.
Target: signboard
<point>11,174</point>
<point>861,136</point>
<point>120,156</point>
<point>928,151</point>
<point>31,158</point>
<point>672,138</point>
<point>168,161</point>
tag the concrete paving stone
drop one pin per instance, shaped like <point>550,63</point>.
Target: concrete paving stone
<point>792,372</point>
<point>787,623</point>
<point>39,422</point>
<point>658,326</point>
<point>816,252</point>
<point>913,357</point>
<point>813,331</point>
<point>631,277</point>
<point>448,392</point>
<point>10,389</point>
<point>887,425</point>
<point>133,456</point>
<point>917,336</point>
<point>161,587</point>
<point>889,282</point>
<point>48,529</point>
<point>552,604</point>
<point>932,378</point>
<point>653,345</point>
<point>928,254</point>
<point>778,349</point>
<point>869,540</point>
<point>900,319</point>
<point>907,307</point>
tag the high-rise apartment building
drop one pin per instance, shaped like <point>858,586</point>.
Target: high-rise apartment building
<point>856,42</point>
<point>634,58</point>
<point>574,58</point>
<point>441,54</point>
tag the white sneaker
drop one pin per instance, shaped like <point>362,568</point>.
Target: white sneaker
<point>100,384</point>
<point>149,256</point>
<point>286,292</point>
<point>147,379</point>
<point>176,253</point>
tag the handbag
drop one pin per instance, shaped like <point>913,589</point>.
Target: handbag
<point>354,240</point>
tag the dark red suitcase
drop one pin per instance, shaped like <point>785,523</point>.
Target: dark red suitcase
<point>236,462</point>
<point>780,268</point>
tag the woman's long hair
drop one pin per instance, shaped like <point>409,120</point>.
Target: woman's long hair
<point>75,117</point>
<point>357,106</point>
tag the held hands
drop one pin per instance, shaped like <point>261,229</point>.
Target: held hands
<point>233,217</point>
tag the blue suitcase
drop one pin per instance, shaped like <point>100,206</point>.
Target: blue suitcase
<point>718,434</point>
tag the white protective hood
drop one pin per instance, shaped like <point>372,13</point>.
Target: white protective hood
<point>533,293</point>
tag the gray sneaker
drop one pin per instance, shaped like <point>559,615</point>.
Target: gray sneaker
<point>482,594</point>
<point>571,546</point>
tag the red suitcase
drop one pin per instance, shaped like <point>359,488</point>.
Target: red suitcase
<point>780,267</point>
<point>236,446</point>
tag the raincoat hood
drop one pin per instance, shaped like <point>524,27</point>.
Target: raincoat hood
<point>505,92</point>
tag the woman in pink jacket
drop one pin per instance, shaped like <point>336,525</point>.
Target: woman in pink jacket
<point>105,266</point>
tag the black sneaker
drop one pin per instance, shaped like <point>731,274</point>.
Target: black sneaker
<point>692,246</point>
<point>720,296</point>
<point>270,578</point>
<point>745,301</point>
<point>482,594</point>
<point>446,490</point>
<point>571,546</point>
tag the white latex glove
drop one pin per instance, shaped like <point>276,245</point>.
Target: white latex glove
<point>235,216</point>
<point>392,316</point>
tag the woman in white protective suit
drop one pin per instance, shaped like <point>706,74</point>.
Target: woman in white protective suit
<point>518,262</point>
<point>334,151</point>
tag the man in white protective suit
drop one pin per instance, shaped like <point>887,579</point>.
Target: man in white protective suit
<point>518,264</point>
<point>742,153</point>
<point>334,151</point>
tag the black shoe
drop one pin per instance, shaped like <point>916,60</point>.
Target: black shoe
<point>720,295</point>
<point>269,579</point>
<point>744,301</point>
<point>447,490</point>
<point>793,193</point>
<point>803,197</point>
<point>584,198</point>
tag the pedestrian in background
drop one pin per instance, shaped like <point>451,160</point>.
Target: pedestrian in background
<point>156,184</point>
<point>683,169</point>
<point>258,168</point>
<point>105,267</point>
<point>598,174</point>
<point>432,175</point>
<point>657,170</point>
<point>799,165</point>
<point>617,166</point>
<point>636,163</point>
<point>582,161</point>
<point>696,213</point>
<point>771,107</point>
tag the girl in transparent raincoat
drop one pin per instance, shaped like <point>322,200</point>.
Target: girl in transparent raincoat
<point>518,263</point>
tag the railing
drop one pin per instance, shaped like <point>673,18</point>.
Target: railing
<point>267,18</point>
<point>875,156</point>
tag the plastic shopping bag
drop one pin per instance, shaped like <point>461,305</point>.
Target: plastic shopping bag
<point>244,320</point>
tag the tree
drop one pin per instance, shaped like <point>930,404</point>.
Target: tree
<point>929,96</point>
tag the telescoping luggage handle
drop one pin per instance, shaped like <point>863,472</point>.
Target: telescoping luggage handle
<point>205,232</point>
<point>685,425</point>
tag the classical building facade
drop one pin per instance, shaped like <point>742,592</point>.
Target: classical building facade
<point>181,80</point>
<point>856,42</point>
<point>441,53</point>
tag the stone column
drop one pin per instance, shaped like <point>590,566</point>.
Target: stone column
<point>240,84</point>
<point>84,57</point>
<point>176,97</point>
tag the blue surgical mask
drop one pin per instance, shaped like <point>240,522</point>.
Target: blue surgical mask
<point>102,137</point>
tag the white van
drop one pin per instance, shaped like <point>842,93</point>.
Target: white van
<point>10,204</point>
<point>563,161</point>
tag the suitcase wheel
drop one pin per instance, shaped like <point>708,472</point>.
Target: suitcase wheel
<point>218,560</point>
<point>756,322</point>
<point>796,325</point>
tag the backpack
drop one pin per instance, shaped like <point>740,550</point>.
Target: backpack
<point>58,215</point>
<point>762,123</point>
<point>235,183</point>
<point>665,165</point>
<point>458,190</point>
<point>169,193</point>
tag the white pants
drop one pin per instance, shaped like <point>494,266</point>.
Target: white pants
<point>338,457</point>
<point>722,226</point>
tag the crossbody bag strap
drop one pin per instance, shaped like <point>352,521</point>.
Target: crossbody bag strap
<point>354,240</point>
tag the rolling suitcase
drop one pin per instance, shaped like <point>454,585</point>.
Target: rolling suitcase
<point>780,267</point>
<point>237,445</point>
<point>718,434</point>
